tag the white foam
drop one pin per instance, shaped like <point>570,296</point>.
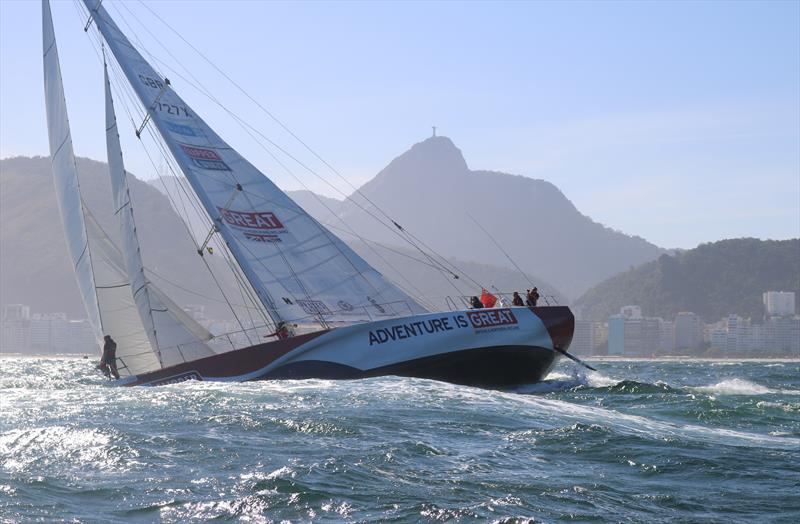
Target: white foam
<point>787,407</point>
<point>740,386</point>
<point>639,425</point>
<point>735,386</point>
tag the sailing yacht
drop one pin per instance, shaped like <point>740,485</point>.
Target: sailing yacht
<point>352,321</point>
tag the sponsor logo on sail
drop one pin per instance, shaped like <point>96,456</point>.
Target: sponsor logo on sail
<point>205,158</point>
<point>345,306</point>
<point>264,220</point>
<point>181,129</point>
<point>377,306</point>
<point>260,237</point>
<point>257,226</point>
<point>314,307</point>
<point>491,318</point>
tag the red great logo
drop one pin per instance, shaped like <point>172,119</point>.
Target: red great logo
<point>491,318</point>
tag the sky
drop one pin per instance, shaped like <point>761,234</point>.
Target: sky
<point>675,121</point>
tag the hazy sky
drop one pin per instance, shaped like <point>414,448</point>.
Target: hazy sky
<point>678,122</point>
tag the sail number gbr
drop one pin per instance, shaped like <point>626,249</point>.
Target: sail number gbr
<point>170,109</point>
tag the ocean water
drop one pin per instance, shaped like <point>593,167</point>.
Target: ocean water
<point>638,441</point>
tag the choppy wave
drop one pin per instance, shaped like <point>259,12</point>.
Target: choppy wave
<point>637,441</point>
<point>739,386</point>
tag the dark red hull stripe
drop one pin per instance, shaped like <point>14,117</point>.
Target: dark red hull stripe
<point>231,364</point>
<point>559,322</point>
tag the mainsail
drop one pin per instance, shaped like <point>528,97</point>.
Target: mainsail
<point>299,269</point>
<point>175,337</point>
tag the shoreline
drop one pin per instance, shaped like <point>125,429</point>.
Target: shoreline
<point>687,358</point>
<point>596,358</point>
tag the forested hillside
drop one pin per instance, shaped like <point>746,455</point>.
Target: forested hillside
<point>711,280</point>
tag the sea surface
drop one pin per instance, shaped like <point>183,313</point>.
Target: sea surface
<point>638,441</point>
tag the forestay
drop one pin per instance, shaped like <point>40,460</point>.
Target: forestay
<point>300,270</point>
<point>174,336</point>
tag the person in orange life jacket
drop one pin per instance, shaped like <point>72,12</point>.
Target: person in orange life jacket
<point>108,362</point>
<point>516,300</point>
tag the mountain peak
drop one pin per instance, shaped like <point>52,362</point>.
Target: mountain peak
<point>439,150</point>
<point>435,159</point>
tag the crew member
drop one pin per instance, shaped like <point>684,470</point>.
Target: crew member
<point>282,331</point>
<point>533,297</point>
<point>516,300</point>
<point>475,303</point>
<point>108,362</point>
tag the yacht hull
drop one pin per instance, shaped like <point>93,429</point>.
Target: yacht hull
<point>488,348</point>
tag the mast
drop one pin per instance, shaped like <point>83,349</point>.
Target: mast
<point>174,337</point>
<point>65,173</point>
<point>156,96</point>
<point>297,267</point>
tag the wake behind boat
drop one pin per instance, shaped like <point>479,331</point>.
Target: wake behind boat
<point>293,270</point>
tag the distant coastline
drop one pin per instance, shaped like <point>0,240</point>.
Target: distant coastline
<point>687,358</point>
<point>595,358</point>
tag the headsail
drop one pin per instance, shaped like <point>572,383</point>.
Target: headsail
<point>299,269</point>
<point>103,285</point>
<point>117,307</point>
<point>174,337</point>
<point>65,174</point>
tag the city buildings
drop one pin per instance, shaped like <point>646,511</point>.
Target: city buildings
<point>779,303</point>
<point>688,331</point>
<point>630,333</point>
<point>43,333</point>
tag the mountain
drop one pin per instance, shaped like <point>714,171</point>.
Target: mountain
<point>35,267</point>
<point>711,280</point>
<point>431,192</point>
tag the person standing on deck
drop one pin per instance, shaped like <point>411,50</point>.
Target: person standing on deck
<point>516,300</point>
<point>533,297</point>
<point>108,362</point>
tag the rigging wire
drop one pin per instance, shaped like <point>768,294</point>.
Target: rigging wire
<point>409,237</point>
<point>135,106</point>
<point>198,85</point>
<point>207,93</point>
<point>270,305</point>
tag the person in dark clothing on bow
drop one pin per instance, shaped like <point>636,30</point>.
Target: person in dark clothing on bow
<point>533,297</point>
<point>516,300</point>
<point>475,303</point>
<point>108,362</point>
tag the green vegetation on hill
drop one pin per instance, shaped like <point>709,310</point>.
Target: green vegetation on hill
<point>712,280</point>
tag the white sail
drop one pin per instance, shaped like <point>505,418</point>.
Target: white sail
<point>103,286</point>
<point>174,336</point>
<point>118,310</point>
<point>300,270</point>
<point>65,174</point>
